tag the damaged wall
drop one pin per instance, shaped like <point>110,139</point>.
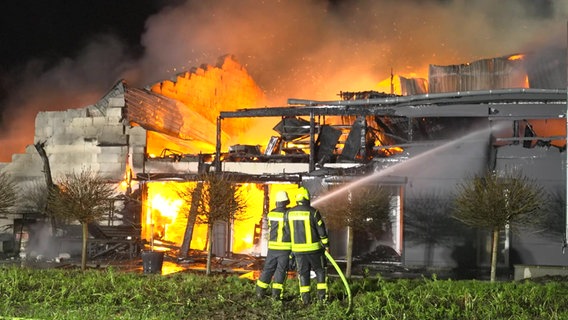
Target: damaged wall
<point>88,138</point>
<point>92,137</point>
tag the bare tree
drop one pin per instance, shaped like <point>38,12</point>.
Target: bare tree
<point>8,195</point>
<point>82,197</point>
<point>218,200</point>
<point>361,209</point>
<point>492,202</point>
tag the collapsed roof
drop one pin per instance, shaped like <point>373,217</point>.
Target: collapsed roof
<point>157,113</point>
<point>508,88</point>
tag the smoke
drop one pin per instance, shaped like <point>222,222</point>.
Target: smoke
<point>314,49</point>
<point>73,83</point>
<point>293,49</point>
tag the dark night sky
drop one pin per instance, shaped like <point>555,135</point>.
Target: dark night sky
<point>50,30</point>
<point>55,28</point>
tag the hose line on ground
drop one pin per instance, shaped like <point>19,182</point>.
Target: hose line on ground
<point>345,283</point>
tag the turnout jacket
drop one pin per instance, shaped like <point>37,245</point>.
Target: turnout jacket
<point>279,235</point>
<point>307,229</point>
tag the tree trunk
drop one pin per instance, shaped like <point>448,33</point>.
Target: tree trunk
<point>85,228</point>
<point>228,240</point>
<point>46,167</point>
<point>209,248</point>
<point>494,254</point>
<point>39,146</point>
<point>185,246</point>
<point>349,256</point>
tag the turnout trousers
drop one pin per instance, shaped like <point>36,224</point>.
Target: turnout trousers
<point>276,264</point>
<point>305,262</point>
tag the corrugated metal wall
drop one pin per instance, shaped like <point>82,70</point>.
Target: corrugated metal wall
<point>495,73</point>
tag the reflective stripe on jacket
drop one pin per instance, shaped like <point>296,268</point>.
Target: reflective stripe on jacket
<point>307,229</point>
<point>279,235</point>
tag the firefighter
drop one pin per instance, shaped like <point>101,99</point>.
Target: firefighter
<point>278,256</point>
<point>309,240</point>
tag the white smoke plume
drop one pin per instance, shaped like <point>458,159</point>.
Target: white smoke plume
<point>293,49</point>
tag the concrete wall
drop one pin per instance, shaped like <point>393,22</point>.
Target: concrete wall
<point>434,170</point>
<point>91,138</point>
<point>437,178</point>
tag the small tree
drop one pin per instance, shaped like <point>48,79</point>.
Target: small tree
<point>493,202</point>
<point>8,194</point>
<point>218,200</point>
<point>82,197</point>
<point>360,209</point>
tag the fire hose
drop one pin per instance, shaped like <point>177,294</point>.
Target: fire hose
<point>343,279</point>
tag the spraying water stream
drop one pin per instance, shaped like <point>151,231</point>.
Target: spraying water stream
<point>476,135</point>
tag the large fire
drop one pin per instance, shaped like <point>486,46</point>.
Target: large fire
<point>227,87</point>
<point>165,217</point>
<point>207,91</point>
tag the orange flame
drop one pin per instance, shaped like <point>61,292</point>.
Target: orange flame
<point>165,218</point>
<point>516,57</point>
<point>223,87</point>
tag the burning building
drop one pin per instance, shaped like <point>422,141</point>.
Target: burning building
<point>419,138</point>
<point>132,132</point>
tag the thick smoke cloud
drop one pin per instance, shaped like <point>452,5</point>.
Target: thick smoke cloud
<point>312,49</point>
<point>293,49</point>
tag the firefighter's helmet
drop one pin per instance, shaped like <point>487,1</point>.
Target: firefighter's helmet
<point>303,194</point>
<point>282,196</point>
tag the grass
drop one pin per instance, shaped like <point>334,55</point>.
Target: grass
<point>113,294</point>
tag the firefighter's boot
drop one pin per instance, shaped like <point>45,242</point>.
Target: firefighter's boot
<point>322,296</point>
<point>306,299</point>
<point>322,291</point>
<point>260,292</point>
<point>277,291</point>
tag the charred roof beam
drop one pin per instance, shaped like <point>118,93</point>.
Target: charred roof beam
<point>523,103</point>
<point>481,96</point>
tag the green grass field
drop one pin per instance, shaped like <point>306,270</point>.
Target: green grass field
<point>109,293</point>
